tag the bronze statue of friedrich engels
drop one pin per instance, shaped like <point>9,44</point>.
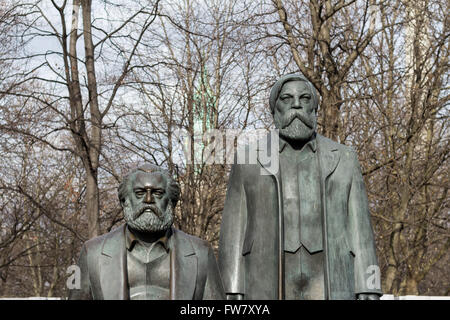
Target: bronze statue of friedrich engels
<point>148,259</point>
<point>304,231</point>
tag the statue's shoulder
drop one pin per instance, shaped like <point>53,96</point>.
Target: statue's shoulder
<point>97,242</point>
<point>197,243</point>
<point>329,144</point>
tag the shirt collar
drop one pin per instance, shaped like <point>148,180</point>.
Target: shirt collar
<point>131,239</point>
<point>312,143</point>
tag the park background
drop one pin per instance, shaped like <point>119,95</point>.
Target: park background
<point>90,89</point>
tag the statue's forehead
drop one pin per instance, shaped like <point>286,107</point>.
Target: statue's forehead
<point>148,179</point>
<point>295,86</point>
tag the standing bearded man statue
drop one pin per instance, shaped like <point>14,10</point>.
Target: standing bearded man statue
<point>147,258</point>
<point>302,231</point>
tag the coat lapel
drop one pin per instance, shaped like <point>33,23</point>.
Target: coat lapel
<point>113,269</point>
<point>183,267</point>
<point>264,153</point>
<point>328,156</point>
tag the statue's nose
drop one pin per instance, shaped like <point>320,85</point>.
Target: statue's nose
<point>296,103</point>
<point>148,197</point>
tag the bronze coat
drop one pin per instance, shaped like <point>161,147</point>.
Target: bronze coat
<point>250,253</point>
<point>102,261</point>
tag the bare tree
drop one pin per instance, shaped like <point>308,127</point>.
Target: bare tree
<point>90,89</point>
<point>322,39</point>
<point>401,133</point>
<point>206,82</point>
<point>82,107</point>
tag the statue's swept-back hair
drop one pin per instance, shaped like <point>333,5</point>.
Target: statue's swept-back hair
<point>275,92</point>
<point>173,189</point>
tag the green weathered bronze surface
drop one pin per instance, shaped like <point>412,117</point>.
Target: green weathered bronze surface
<point>332,213</point>
<point>191,268</point>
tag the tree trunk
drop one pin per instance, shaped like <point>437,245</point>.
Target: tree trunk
<point>330,115</point>
<point>91,166</point>
<point>409,286</point>
<point>92,203</point>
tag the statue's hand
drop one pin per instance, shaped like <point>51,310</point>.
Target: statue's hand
<point>368,296</point>
<point>235,296</point>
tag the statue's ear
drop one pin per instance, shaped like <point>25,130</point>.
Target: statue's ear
<point>123,203</point>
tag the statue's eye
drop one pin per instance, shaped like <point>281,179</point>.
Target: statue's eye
<point>306,97</point>
<point>139,193</point>
<point>158,193</point>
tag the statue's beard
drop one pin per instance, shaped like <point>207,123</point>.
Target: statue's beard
<point>295,125</point>
<point>148,222</point>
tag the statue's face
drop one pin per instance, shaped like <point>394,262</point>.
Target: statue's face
<point>147,206</point>
<point>294,114</point>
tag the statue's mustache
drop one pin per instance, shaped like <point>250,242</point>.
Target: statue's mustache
<point>153,208</point>
<point>292,114</point>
